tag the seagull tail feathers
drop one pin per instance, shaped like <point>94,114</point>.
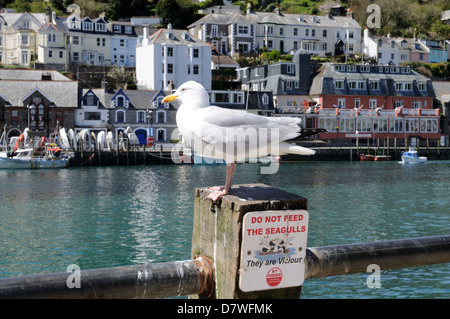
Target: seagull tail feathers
<point>286,148</point>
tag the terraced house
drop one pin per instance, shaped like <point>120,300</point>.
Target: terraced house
<point>56,42</point>
<point>319,35</point>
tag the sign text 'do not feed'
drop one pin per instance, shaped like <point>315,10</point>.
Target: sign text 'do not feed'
<point>273,249</point>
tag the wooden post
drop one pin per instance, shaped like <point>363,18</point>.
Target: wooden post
<point>217,234</point>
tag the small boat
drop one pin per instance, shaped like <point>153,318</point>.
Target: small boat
<point>26,158</point>
<point>369,157</point>
<point>411,157</point>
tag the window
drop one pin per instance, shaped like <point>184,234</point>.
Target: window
<point>346,124</point>
<point>87,26</point>
<point>243,29</point>
<point>364,68</point>
<point>169,51</point>
<point>295,31</point>
<point>313,32</point>
<point>341,102</point>
<point>339,84</point>
<point>161,117</point>
<point>24,57</point>
<point>428,125</point>
<point>195,68</point>
<point>422,86</point>
<point>128,29</point>
<point>90,100</point>
<point>307,32</point>
<point>330,124</point>
<point>269,29</point>
<point>374,85</point>
<point>412,125</point>
<point>117,29</point>
<point>357,103</point>
<point>24,39</point>
<point>92,116</point>
<point>380,125</point>
<point>398,103</point>
<point>169,68</point>
<point>120,117</point>
<point>416,104</point>
<point>373,104</point>
<point>324,33</point>
<point>50,53</point>
<point>100,27</point>
<point>120,101</point>
<point>290,68</point>
<point>51,37</point>
<point>396,125</point>
<point>357,85</point>
<point>75,40</point>
<point>122,42</point>
<point>265,99</point>
<point>26,25</point>
<point>140,117</point>
<point>195,53</point>
<point>363,125</point>
<point>61,54</point>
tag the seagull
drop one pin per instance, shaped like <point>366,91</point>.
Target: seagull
<point>231,135</point>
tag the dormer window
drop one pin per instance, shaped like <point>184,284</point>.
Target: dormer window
<point>88,25</point>
<point>117,29</point>
<point>74,23</point>
<point>170,35</point>
<point>100,27</point>
<point>187,36</point>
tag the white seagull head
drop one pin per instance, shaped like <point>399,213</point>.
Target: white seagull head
<point>190,91</point>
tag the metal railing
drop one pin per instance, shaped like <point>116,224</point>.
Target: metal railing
<point>189,277</point>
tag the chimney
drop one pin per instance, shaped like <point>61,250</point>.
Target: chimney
<point>414,34</point>
<point>249,8</point>
<point>48,15</point>
<point>145,36</point>
<point>54,17</point>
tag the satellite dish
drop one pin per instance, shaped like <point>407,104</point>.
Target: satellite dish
<point>74,9</point>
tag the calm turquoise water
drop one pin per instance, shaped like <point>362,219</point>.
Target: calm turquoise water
<point>111,216</point>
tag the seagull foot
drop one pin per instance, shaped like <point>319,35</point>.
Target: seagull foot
<point>217,194</point>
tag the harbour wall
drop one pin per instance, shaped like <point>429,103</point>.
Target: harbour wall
<point>155,157</point>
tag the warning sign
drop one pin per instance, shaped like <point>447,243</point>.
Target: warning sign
<point>273,249</point>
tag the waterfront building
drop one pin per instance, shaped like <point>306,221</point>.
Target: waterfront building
<point>169,57</point>
<point>36,99</point>
<point>374,102</point>
<point>140,111</point>
<point>123,43</point>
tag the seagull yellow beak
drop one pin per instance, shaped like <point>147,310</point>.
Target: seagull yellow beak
<point>169,98</point>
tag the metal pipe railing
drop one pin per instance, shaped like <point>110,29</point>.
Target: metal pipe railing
<point>191,277</point>
<point>327,261</point>
<point>159,280</point>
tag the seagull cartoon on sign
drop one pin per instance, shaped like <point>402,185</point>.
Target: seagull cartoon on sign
<point>231,135</point>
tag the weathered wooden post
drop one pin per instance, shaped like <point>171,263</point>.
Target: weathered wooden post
<point>256,237</point>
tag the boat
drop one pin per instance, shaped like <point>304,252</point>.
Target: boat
<point>26,158</point>
<point>411,157</point>
<point>369,157</point>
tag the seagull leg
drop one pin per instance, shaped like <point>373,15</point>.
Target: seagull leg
<point>218,192</point>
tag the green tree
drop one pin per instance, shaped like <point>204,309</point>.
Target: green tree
<point>179,13</point>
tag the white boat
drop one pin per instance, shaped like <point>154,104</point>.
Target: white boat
<point>412,157</point>
<point>25,158</point>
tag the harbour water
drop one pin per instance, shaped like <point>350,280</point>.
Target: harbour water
<point>99,217</point>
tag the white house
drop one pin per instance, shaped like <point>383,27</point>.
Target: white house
<point>168,58</point>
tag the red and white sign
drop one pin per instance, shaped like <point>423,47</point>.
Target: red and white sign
<point>273,249</point>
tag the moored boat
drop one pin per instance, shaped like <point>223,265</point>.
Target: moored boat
<point>369,157</point>
<point>26,158</point>
<point>411,157</point>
